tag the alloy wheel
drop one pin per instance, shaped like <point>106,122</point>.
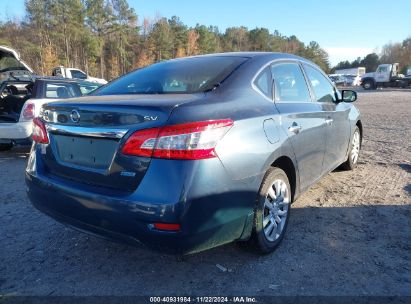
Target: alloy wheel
<point>355,150</point>
<point>276,207</point>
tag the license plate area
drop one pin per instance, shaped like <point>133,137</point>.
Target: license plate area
<point>86,152</point>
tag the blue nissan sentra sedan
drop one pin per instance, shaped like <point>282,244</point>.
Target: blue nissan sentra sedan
<point>192,153</point>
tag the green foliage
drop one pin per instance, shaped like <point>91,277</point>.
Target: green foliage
<point>103,38</point>
<point>370,62</point>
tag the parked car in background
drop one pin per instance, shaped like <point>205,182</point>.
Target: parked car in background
<point>21,100</point>
<point>73,73</point>
<point>188,154</point>
<point>338,80</point>
<point>351,71</point>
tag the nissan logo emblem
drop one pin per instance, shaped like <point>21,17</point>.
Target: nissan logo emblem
<point>75,116</point>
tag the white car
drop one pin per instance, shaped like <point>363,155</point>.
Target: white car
<point>21,101</point>
<point>22,94</point>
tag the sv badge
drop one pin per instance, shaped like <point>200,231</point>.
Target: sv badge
<point>150,118</point>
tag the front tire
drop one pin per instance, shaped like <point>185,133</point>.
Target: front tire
<point>354,153</point>
<point>5,147</point>
<point>272,211</point>
<point>368,85</point>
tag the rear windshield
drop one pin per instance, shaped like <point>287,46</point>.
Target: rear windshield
<point>184,76</point>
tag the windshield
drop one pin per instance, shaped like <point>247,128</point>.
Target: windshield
<point>8,61</point>
<point>180,76</point>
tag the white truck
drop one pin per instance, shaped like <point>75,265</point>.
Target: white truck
<point>75,74</point>
<point>386,75</point>
<point>353,71</point>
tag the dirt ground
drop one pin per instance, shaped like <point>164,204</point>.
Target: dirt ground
<point>349,235</point>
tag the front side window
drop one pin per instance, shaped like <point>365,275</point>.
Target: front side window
<point>183,76</point>
<point>323,89</point>
<point>78,74</point>
<point>382,69</point>
<point>290,84</point>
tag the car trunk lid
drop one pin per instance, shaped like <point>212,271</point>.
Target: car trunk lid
<point>86,136</point>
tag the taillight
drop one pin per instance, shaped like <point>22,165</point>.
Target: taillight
<point>195,140</point>
<point>141,143</point>
<point>167,226</point>
<point>39,134</point>
<point>28,111</point>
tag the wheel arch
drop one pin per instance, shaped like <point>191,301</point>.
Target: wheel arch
<point>286,164</point>
<point>359,125</point>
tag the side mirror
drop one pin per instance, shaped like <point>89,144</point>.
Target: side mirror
<point>348,96</point>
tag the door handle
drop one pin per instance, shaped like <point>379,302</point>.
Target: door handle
<point>295,128</point>
<point>329,122</point>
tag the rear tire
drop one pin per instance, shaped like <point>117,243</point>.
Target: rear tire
<point>272,211</point>
<point>354,154</point>
<point>5,147</point>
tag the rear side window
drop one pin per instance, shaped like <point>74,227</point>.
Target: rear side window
<point>263,83</point>
<point>323,89</point>
<point>184,76</point>
<point>290,84</point>
<point>62,90</point>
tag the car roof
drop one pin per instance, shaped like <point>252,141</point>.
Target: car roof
<point>62,79</point>
<point>267,55</point>
<point>34,78</point>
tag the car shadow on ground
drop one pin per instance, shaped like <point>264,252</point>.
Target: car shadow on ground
<point>14,153</point>
<point>323,251</point>
<point>406,167</point>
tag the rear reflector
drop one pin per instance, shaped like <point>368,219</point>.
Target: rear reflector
<point>195,140</point>
<point>167,227</point>
<point>39,134</point>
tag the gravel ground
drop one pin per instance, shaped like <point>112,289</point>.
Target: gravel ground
<point>349,235</point>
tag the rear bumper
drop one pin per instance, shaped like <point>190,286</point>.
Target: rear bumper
<point>20,131</point>
<point>208,212</point>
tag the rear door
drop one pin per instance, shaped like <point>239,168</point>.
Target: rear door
<point>335,115</point>
<point>302,119</point>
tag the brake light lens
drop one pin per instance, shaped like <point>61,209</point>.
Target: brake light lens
<point>39,134</point>
<point>141,143</point>
<point>28,112</point>
<point>195,140</point>
<point>167,226</point>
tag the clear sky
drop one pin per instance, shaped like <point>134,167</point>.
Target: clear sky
<point>347,29</point>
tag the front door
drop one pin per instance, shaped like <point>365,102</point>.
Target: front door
<point>301,118</point>
<point>335,115</point>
